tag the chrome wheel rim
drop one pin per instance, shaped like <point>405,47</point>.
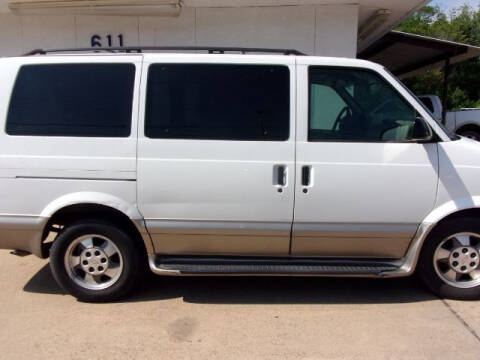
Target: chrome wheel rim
<point>93,262</point>
<point>457,258</point>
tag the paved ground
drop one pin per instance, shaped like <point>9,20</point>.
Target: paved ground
<point>233,318</point>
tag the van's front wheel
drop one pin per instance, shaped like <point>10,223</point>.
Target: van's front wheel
<point>450,260</point>
<point>95,261</point>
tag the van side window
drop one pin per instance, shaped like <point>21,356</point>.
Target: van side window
<point>218,102</point>
<point>357,105</point>
<point>90,100</point>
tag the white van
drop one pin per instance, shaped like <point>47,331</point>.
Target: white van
<point>230,164</point>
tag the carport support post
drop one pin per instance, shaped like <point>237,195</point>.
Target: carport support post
<point>446,75</point>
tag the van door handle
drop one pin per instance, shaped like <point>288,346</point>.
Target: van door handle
<point>281,175</point>
<point>306,175</point>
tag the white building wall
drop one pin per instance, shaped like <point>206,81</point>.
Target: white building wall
<point>329,30</point>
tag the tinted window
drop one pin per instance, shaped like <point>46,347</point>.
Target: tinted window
<point>225,102</point>
<point>72,100</point>
<point>356,105</point>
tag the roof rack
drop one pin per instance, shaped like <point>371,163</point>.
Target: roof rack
<point>141,49</point>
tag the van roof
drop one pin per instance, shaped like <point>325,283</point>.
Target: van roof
<point>142,49</point>
<point>220,54</point>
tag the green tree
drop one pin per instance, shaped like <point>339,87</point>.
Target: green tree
<point>461,25</point>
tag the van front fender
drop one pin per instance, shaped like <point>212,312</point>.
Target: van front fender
<point>410,260</point>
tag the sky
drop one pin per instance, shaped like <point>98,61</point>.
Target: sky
<point>448,5</point>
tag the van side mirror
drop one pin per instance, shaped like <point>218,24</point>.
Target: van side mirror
<point>421,131</point>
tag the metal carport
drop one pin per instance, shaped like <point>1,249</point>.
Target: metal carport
<point>407,54</point>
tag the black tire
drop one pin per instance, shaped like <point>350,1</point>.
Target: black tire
<point>130,252</point>
<point>426,269</point>
<point>471,134</point>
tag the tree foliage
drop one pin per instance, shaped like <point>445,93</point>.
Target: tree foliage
<point>460,25</point>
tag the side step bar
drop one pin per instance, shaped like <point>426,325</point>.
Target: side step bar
<point>268,266</point>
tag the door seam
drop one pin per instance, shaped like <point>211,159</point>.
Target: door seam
<point>294,159</point>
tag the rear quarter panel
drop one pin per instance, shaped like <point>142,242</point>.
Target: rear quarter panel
<point>39,174</point>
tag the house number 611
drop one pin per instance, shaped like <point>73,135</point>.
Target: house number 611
<point>97,40</point>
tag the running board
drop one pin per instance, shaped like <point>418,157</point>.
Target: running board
<point>269,266</point>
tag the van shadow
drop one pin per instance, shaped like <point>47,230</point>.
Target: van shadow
<point>260,290</point>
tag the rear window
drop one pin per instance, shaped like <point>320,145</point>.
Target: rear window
<point>219,102</point>
<point>72,100</point>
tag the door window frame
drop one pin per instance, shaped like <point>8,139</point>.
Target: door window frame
<point>288,135</point>
<point>12,70</point>
<point>17,87</point>
<point>309,67</point>
<point>159,58</point>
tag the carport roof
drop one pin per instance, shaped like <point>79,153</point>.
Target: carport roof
<point>407,54</point>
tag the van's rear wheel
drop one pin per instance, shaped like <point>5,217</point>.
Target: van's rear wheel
<point>95,261</point>
<point>450,260</point>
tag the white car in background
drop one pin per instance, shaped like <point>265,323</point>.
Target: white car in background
<point>464,122</point>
